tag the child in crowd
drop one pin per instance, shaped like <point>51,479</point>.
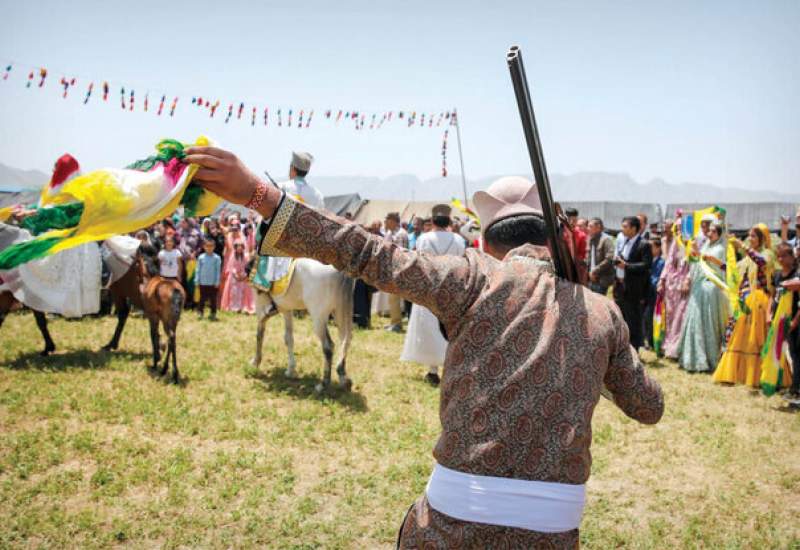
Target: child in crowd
<point>207,276</point>
<point>788,270</point>
<point>169,260</point>
<point>655,273</point>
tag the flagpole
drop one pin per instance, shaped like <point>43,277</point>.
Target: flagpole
<point>461,159</point>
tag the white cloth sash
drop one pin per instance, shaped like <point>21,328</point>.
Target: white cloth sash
<point>543,506</point>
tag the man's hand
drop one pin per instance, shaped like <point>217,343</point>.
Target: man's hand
<point>791,284</point>
<point>593,277</point>
<point>222,173</point>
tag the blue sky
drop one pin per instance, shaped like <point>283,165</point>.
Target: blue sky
<point>688,91</point>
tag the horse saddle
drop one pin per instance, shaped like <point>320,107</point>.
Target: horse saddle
<point>118,254</point>
<point>259,277</point>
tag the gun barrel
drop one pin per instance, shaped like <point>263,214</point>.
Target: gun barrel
<point>522,93</point>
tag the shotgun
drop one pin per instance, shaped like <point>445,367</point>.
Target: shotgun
<point>556,227</point>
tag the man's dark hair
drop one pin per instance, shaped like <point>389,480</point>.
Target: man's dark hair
<point>300,173</point>
<point>784,247</point>
<point>598,221</point>
<point>633,221</point>
<point>516,231</point>
<point>441,221</point>
<point>570,212</point>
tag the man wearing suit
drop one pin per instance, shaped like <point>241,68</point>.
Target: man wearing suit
<point>632,264</point>
<point>600,262</point>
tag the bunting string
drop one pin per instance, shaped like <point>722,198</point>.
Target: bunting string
<point>289,117</point>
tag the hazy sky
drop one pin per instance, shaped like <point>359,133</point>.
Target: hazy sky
<point>688,91</point>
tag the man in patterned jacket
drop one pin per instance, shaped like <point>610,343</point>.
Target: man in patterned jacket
<point>528,356</point>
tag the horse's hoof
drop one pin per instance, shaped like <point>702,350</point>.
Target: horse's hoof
<point>346,384</point>
<point>255,362</point>
<point>320,388</point>
<point>45,353</point>
<point>290,373</point>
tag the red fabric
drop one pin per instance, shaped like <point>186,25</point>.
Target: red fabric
<point>66,165</point>
<point>581,240</point>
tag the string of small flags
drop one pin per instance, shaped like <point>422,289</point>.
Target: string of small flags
<point>279,116</point>
<point>299,118</point>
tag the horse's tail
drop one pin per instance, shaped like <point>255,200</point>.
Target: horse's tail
<point>347,285</point>
<point>176,305</point>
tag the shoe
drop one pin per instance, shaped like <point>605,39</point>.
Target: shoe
<point>432,379</point>
<point>395,328</point>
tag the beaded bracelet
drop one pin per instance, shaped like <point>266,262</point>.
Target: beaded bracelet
<point>259,193</point>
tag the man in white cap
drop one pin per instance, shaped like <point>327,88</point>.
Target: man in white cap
<point>297,186</point>
<point>528,355</point>
<point>274,268</point>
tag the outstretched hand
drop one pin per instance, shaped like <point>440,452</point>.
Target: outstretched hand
<point>222,173</point>
<point>791,284</point>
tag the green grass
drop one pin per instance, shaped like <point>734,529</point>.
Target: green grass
<point>94,452</point>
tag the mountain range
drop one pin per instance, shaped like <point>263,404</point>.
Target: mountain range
<point>582,186</point>
<point>579,187</point>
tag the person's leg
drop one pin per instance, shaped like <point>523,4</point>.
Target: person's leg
<point>648,320</point>
<point>433,375</point>
<point>203,297</point>
<point>212,297</point>
<point>794,351</point>
<point>360,313</point>
<point>395,312</point>
<point>635,325</point>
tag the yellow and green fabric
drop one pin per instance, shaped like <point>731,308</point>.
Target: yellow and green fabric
<point>774,367</point>
<point>109,202</point>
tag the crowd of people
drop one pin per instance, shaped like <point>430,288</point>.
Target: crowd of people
<point>703,331</point>
<point>211,258</point>
<point>640,266</point>
<point>643,264</point>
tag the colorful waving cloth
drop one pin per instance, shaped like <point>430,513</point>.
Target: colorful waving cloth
<point>773,364</point>
<point>113,201</point>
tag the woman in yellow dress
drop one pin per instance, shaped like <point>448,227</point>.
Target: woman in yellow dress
<point>741,362</point>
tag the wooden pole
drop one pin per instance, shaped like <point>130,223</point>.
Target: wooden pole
<point>461,159</point>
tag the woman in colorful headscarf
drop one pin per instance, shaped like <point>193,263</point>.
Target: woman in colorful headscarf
<point>740,364</point>
<point>674,287</point>
<point>708,309</point>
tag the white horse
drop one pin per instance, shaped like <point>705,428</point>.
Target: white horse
<point>322,291</point>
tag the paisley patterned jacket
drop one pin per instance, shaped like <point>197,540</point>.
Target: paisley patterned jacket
<point>528,354</point>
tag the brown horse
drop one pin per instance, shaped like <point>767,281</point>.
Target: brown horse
<point>162,300</point>
<point>124,292</point>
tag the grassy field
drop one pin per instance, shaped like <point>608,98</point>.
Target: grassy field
<point>94,452</point>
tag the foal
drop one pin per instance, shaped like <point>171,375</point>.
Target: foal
<point>162,300</point>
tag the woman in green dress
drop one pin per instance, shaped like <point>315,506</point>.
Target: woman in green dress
<point>708,309</point>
